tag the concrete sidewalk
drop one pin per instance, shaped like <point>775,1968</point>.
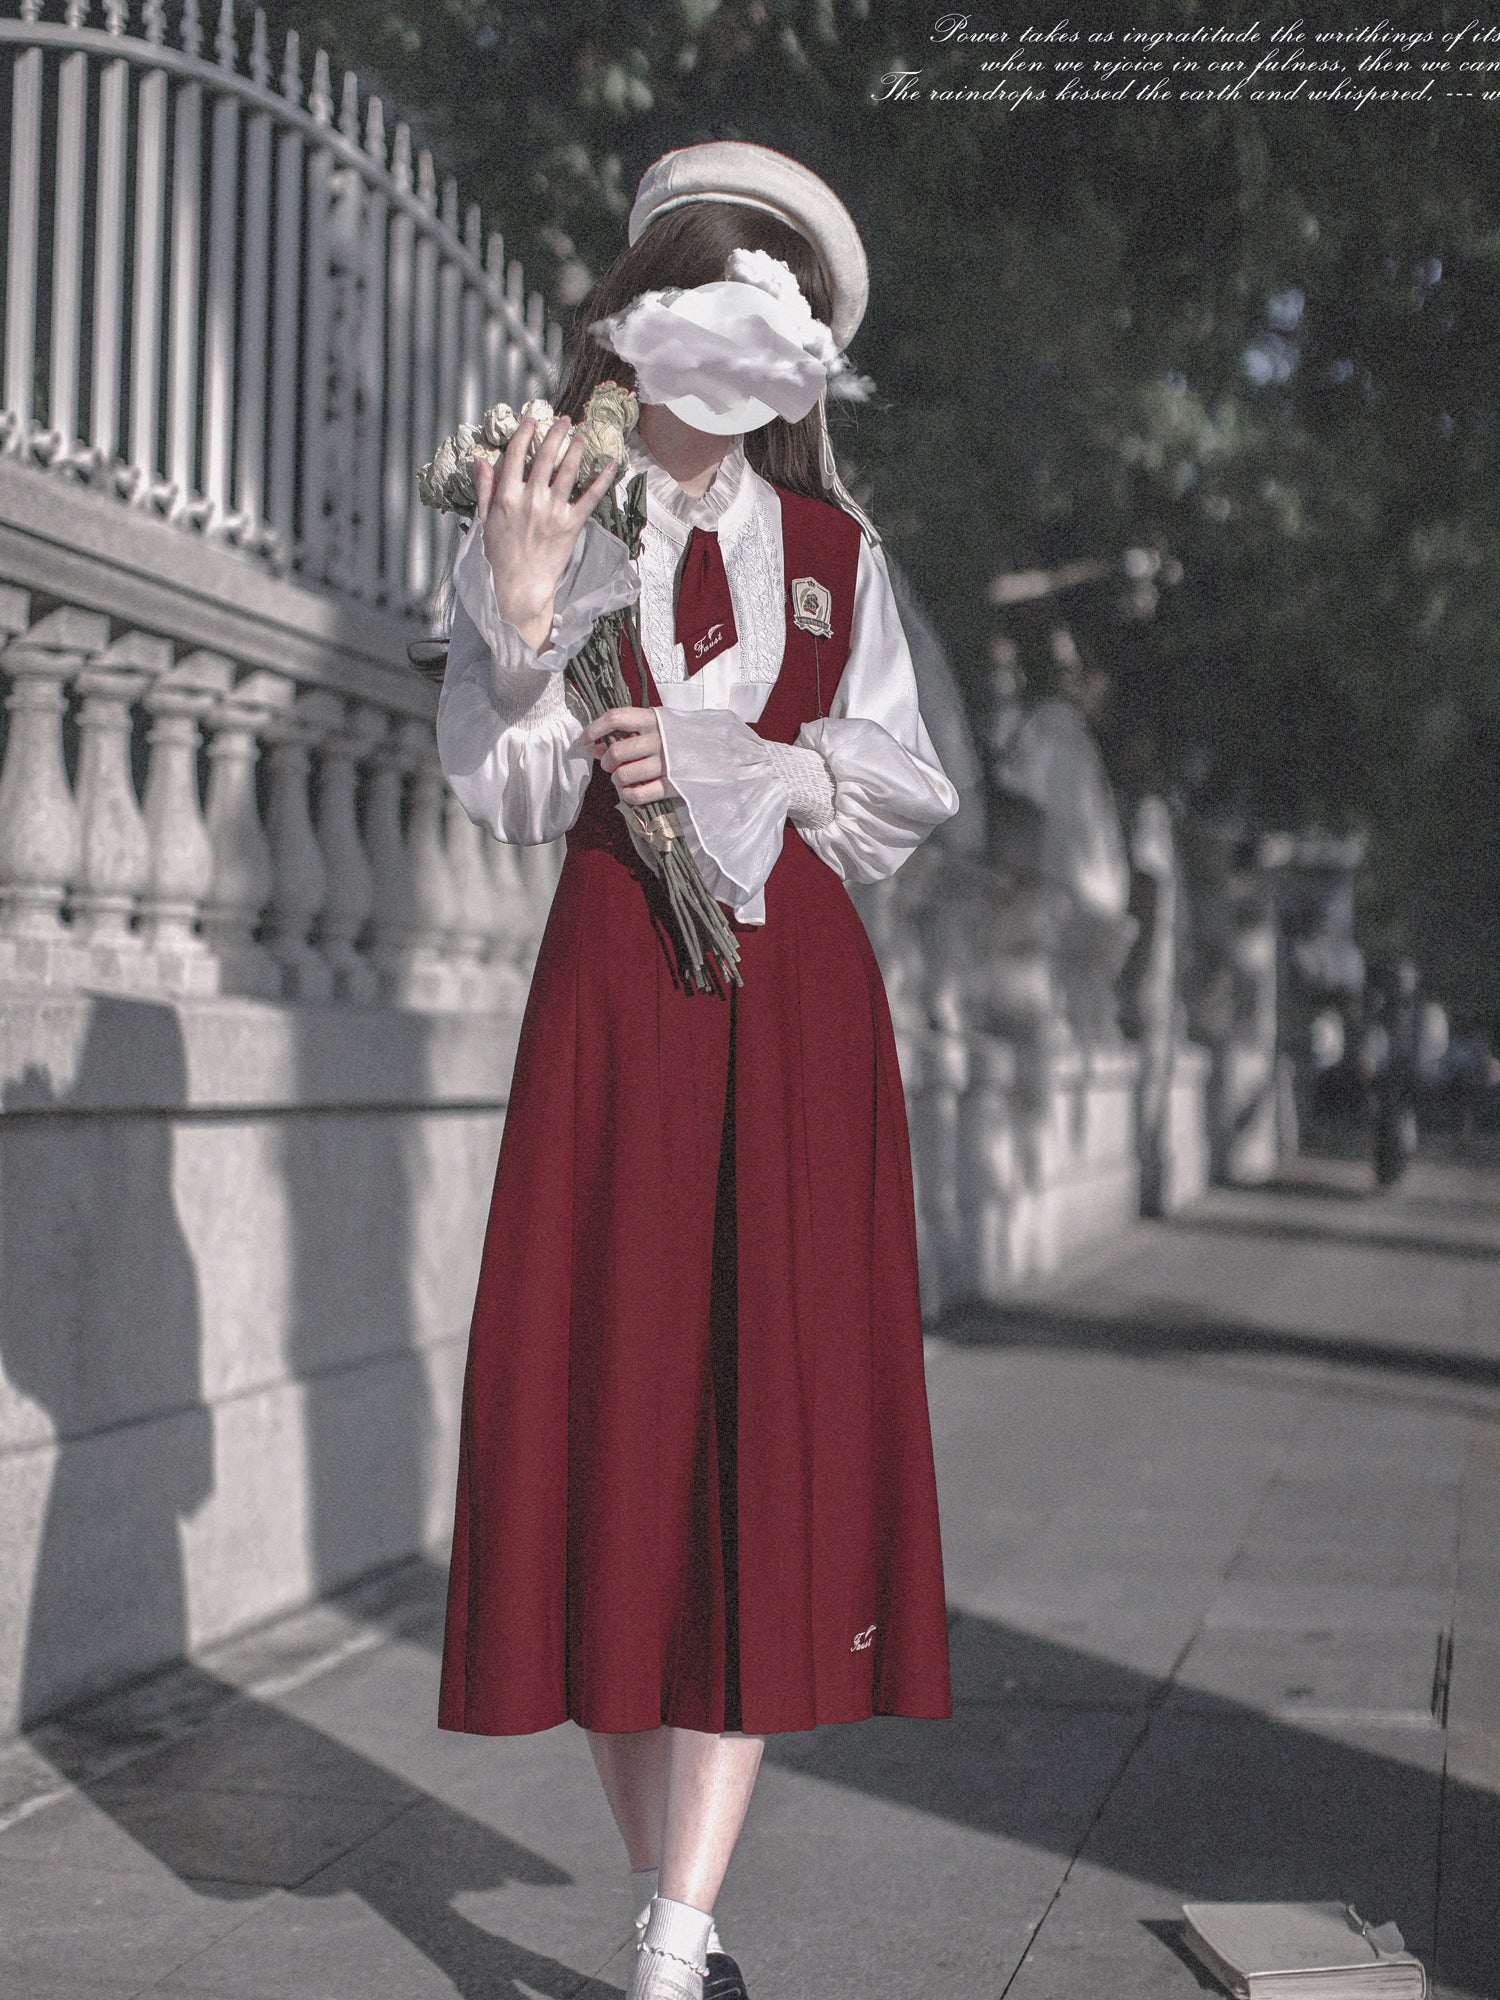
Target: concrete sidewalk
<point>1222,1526</point>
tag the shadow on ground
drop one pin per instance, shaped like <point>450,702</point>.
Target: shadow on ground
<point>1050,1746</point>
<point>1160,1334</point>
<point>1280,1230</point>
<point>256,1800</point>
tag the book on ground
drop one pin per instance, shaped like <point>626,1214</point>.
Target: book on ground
<point>1302,1951</point>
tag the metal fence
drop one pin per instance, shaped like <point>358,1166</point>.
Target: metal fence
<point>241,307</point>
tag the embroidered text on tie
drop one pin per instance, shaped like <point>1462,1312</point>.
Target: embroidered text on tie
<point>705,612</point>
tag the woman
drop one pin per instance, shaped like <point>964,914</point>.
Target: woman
<point>696,1499</point>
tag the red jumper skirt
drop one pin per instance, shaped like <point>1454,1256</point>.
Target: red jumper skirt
<point>695,1477</point>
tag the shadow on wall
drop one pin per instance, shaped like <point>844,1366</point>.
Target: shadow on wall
<point>221,1312</point>
<point>104,1329</point>
<point>353,1181</point>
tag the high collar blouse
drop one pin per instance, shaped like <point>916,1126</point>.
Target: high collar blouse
<point>863,785</point>
<point>673,504</point>
<point>744,512</point>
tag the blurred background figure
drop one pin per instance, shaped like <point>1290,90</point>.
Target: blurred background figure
<point>1392,1043</point>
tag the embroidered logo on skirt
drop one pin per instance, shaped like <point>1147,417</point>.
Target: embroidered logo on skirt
<point>863,1641</point>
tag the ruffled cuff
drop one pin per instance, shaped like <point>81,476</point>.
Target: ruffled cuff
<point>526,686</point>
<point>733,799</point>
<point>809,783</point>
<point>886,798</point>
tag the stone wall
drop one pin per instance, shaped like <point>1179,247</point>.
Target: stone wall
<point>240,1243</point>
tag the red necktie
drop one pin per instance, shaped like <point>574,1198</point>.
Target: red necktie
<point>705,613</point>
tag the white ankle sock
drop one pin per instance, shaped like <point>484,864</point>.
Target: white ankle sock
<point>643,1882</point>
<point>678,1930</point>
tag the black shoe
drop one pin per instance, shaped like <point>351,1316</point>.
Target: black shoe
<point>723,1979</point>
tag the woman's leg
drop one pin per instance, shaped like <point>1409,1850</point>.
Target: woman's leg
<point>709,1782</point>
<point>679,1798</point>
<point>633,1768</point>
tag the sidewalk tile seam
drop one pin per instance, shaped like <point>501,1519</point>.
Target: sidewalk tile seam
<point>1132,1751</point>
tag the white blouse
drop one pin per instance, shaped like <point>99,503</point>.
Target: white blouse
<point>862,785</point>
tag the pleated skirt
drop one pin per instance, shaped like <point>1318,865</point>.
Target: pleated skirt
<point>696,1477</point>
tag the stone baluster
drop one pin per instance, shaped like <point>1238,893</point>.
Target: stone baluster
<point>115,846</point>
<point>181,866</point>
<point>351,882</point>
<point>433,978</point>
<point>514,930</point>
<point>40,835</point>
<point>539,868</point>
<point>990,1196</point>
<point>388,934</point>
<point>506,980</point>
<point>933,1120</point>
<point>301,879</point>
<point>243,873</point>
<point>15,610</point>
<point>474,941</point>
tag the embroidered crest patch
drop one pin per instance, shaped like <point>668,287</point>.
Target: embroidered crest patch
<point>812,607</point>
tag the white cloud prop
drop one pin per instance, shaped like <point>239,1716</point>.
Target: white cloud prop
<point>744,350</point>
<point>740,357</point>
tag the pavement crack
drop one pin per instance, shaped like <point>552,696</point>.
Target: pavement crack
<point>1152,1709</point>
<point>1442,1678</point>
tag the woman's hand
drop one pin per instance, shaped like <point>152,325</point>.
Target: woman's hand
<point>530,525</point>
<point>635,760</point>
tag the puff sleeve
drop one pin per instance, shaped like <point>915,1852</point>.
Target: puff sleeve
<point>862,785</point>
<point>889,790</point>
<point>507,740</point>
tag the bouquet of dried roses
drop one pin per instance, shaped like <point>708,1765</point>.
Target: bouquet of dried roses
<point>593,681</point>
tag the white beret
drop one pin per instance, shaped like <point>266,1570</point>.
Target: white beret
<point>760,177</point>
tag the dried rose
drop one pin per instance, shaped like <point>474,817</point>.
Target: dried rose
<point>543,415</point>
<point>609,417</point>
<point>434,477</point>
<point>447,480</point>
<point>500,425</point>
<point>462,497</point>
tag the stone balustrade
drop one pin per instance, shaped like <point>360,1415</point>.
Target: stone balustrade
<point>218,776</point>
<point>323,860</point>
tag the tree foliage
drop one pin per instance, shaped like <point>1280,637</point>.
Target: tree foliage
<point>1262,338</point>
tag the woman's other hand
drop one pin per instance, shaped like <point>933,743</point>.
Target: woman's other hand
<point>530,525</point>
<point>635,760</point>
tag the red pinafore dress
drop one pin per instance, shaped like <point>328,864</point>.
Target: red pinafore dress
<point>695,1475</point>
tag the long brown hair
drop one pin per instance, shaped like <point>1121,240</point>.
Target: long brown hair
<point>690,246</point>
